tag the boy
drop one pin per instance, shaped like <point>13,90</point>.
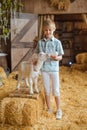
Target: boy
<point>50,69</point>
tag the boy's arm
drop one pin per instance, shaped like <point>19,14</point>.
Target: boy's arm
<point>56,57</point>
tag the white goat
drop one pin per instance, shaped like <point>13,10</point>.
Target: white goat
<point>30,72</point>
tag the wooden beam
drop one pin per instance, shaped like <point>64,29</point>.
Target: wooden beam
<point>84,16</point>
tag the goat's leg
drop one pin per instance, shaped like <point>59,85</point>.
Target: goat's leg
<point>35,81</point>
<point>20,78</point>
<point>18,85</point>
<point>19,82</point>
<point>31,86</point>
<point>27,81</point>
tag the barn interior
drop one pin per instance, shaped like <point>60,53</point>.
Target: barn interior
<point>18,109</point>
<point>72,34</point>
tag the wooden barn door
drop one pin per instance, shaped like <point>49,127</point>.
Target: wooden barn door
<point>24,28</point>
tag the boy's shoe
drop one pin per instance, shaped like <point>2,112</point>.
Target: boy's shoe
<point>59,114</point>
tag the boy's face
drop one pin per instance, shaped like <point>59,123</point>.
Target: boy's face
<point>48,31</point>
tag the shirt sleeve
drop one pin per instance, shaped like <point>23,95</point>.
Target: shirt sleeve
<point>60,48</point>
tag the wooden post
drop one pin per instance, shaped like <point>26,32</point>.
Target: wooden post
<point>84,16</point>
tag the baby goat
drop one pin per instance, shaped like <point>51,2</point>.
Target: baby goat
<point>30,72</point>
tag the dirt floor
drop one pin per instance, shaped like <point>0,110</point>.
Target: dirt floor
<point>73,87</point>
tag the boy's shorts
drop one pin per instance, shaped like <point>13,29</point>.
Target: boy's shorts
<point>51,81</point>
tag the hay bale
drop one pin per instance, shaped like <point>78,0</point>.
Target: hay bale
<point>13,75</point>
<point>2,73</point>
<point>30,113</point>
<point>82,67</point>
<point>61,5</point>
<point>20,111</point>
<point>81,58</point>
<point>4,83</point>
<point>8,86</point>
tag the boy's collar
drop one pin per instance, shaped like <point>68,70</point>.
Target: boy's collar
<point>50,39</point>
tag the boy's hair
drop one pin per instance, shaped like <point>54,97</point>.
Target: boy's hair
<point>49,23</point>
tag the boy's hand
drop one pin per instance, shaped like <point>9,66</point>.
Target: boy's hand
<point>54,57</point>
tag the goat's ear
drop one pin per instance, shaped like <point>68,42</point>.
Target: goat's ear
<point>35,62</point>
<point>35,40</point>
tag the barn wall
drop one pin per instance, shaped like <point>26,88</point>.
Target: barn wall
<point>73,35</point>
<point>18,49</point>
<point>43,7</point>
<point>24,29</point>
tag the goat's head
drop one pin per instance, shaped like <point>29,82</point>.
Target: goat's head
<point>41,58</point>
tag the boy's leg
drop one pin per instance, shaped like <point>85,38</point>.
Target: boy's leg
<point>59,111</point>
<point>55,88</point>
<point>46,81</point>
<point>56,93</point>
<point>57,100</point>
<point>47,97</point>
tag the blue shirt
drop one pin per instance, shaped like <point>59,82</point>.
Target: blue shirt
<point>50,46</point>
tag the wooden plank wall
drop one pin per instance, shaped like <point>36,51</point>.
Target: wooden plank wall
<point>43,7</point>
<point>23,31</point>
<point>22,44</point>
